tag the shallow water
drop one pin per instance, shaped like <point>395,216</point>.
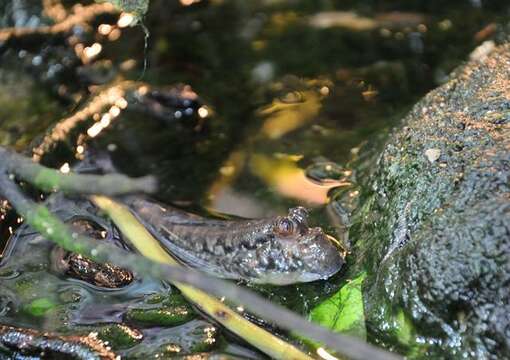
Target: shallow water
<point>282,85</point>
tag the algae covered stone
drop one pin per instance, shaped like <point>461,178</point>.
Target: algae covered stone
<point>434,236</point>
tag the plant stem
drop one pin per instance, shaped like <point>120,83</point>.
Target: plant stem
<point>47,179</point>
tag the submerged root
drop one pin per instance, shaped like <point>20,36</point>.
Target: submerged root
<point>28,342</point>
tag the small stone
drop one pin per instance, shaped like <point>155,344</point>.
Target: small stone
<point>432,154</point>
<point>482,51</point>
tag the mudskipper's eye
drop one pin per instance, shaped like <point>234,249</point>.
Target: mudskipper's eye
<point>284,227</point>
<point>300,215</point>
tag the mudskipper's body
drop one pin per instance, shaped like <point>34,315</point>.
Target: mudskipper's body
<point>280,250</point>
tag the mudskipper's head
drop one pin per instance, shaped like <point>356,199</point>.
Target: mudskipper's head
<point>298,253</point>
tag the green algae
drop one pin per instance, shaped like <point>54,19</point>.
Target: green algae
<point>194,337</point>
<point>405,331</point>
<point>162,310</point>
<point>118,336</point>
<point>162,316</point>
<point>40,307</point>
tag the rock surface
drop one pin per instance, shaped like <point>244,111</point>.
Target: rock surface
<point>433,228</point>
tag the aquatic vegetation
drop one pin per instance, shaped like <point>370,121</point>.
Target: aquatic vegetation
<point>347,307</point>
<point>118,336</point>
<point>39,217</point>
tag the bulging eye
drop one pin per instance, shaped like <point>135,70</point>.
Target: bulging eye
<point>300,216</point>
<point>284,227</point>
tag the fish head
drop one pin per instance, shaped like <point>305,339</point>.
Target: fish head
<point>299,253</point>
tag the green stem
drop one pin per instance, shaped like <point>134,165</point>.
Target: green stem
<point>47,179</point>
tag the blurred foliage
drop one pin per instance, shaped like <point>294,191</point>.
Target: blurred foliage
<point>135,7</point>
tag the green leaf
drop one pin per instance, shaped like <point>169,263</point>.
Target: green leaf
<point>404,328</point>
<point>343,312</point>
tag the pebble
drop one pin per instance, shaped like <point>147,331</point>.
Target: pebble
<point>432,154</point>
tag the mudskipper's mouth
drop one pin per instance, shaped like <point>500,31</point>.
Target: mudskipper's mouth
<point>301,277</point>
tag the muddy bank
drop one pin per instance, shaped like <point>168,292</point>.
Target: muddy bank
<point>433,228</point>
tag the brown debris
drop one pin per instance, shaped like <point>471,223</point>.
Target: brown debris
<point>47,345</point>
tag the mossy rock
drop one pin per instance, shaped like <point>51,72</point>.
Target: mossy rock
<point>432,229</point>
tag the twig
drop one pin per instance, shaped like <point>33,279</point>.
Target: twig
<point>47,179</point>
<point>75,347</point>
<point>43,221</point>
<point>113,95</point>
<point>54,10</point>
<point>80,16</point>
<point>149,247</point>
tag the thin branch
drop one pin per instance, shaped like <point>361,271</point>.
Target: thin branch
<point>112,95</point>
<point>54,10</point>
<point>47,179</point>
<point>48,225</point>
<point>80,16</point>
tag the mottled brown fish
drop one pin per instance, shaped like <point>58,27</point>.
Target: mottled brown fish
<point>281,250</point>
